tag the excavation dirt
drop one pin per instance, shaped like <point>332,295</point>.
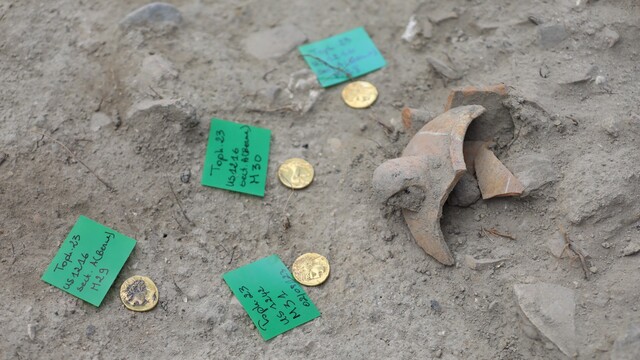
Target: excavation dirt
<point>105,113</point>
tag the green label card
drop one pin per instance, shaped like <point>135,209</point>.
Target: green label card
<point>89,260</point>
<point>342,57</point>
<point>237,157</point>
<point>273,299</point>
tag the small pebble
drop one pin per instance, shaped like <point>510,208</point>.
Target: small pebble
<point>593,269</point>
<point>606,245</point>
<point>90,330</point>
<point>435,306</point>
<point>185,176</point>
<point>31,331</point>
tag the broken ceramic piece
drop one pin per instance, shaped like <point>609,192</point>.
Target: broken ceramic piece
<point>422,178</point>
<point>494,179</point>
<point>413,119</point>
<point>496,123</point>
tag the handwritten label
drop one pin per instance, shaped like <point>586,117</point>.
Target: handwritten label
<point>89,260</point>
<point>237,157</point>
<point>342,57</point>
<point>273,299</point>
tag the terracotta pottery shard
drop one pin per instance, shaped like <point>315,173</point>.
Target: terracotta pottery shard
<point>432,162</point>
<point>496,123</point>
<point>494,178</point>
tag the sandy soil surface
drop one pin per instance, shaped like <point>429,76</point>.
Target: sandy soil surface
<point>70,70</point>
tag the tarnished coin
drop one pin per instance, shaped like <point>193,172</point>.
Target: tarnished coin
<point>359,94</point>
<point>295,173</point>
<point>139,293</point>
<point>310,269</point>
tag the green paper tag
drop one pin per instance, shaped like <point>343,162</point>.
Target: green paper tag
<point>273,299</point>
<point>342,57</point>
<point>237,157</point>
<point>89,260</point>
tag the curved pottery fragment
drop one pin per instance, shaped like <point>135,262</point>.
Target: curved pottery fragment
<point>422,178</point>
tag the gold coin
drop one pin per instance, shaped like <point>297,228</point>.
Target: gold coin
<point>311,269</point>
<point>359,94</point>
<point>295,173</point>
<point>139,293</point>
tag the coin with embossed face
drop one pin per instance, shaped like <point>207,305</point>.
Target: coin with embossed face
<point>295,173</point>
<point>310,269</point>
<point>139,293</point>
<point>359,94</point>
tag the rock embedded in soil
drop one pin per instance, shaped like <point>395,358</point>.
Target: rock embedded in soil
<point>550,309</point>
<point>99,120</point>
<point>627,345</point>
<point>466,192</point>
<point>275,42</point>
<point>551,34</point>
<point>443,69</point>
<point>535,172</point>
<point>156,16</point>
<point>412,30</point>
<point>156,68</point>
<point>174,110</point>
<point>557,246</point>
<point>608,37</point>
<point>631,249</point>
<point>590,194</point>
<point>31,331</point>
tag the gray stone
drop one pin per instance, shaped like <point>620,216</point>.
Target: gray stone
<point>31,331</point>
<point>441,15</point>
<point>550,309</point>
<point>175,110</point>
<point>557,245</point>
<point>275,42</point>
<point>156,16</point>
<point>631,249</point>
<point>466,191</point>
<point>608,37</point>
<point>156,68</point>
<point>99,120</point>
<point>185,176</point>
<point>627,345</point>
<point>590,194</point>
<point>551,34</point>
<point>443,69</point>
<point>90,331</point>
<point>535,172</point>
<point>303,90</point>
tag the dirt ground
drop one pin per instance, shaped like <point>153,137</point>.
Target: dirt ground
<point>69,70</point>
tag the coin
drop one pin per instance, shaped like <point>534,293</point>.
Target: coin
<point>359,94</point>
<point>295,173</point>
<point>311,269</point>
<point>139,293</point>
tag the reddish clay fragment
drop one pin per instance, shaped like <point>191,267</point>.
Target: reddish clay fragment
<point>412,117</point>
<point>429,168</point>
<point>494,178</point>
<point>496,123</point>
<point>474,95</point>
